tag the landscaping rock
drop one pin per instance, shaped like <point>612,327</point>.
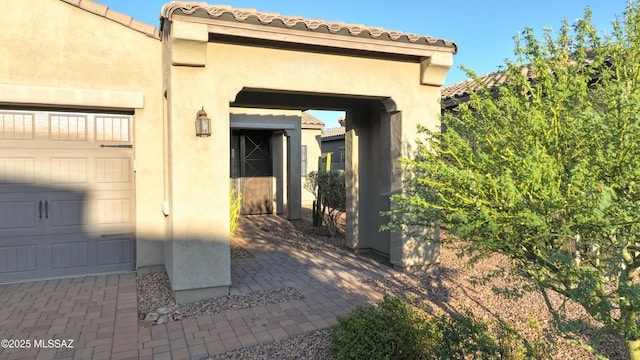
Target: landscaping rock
<point>152,316</point>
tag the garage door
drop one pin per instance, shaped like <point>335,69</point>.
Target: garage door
<point>66,194</point>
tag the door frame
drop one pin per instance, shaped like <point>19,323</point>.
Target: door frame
<point>288,194</point>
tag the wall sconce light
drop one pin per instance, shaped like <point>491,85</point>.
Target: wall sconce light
<point>203,124</point>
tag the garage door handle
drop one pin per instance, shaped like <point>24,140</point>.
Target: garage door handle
<point>117,146</point>
<point>46,209</point>
<point>40,209</point>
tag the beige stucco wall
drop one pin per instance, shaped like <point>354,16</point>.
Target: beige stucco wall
<point>199,74</point>
<point>59,55</point>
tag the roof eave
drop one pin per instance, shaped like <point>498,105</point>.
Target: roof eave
<point>273,33</point>
<point>312,126</point>
<point>123,19</point>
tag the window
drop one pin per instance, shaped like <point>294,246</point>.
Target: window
<point>342,156</point>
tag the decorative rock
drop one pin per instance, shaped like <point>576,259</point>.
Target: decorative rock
<point>151,316</point>
<point>162,320</point>
<point>164,310</point>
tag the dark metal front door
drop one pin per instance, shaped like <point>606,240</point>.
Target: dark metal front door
<point>256,172</point>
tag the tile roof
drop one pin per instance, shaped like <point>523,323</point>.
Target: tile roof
<point>466,87</point>
<point>451,95</point>
<point>308,119</point>
<point>126,20</point>
<point>333,134</point>
<point>251,16</point>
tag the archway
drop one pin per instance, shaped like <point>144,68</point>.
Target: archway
<point>218,57</point>
<point>369,155</point>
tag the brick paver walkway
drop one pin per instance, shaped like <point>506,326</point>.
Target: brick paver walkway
<point>99,313</point>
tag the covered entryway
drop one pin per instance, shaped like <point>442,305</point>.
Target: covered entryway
<point>265,162</point>
<point>66,194</point>
<point>219,58</point>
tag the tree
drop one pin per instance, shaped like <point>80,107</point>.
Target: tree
<point>329,189</point>
<point>332,191</point>
<point>311,185</point>
<point>545,169</point>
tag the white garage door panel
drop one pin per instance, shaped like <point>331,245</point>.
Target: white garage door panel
<point>17,170</point>
<point>66,194</point>
<point>17,215</point>
<point>115,249</point>
<point>20,258</point>
<point>70,254</point>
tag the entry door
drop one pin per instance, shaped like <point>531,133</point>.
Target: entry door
<point>256,172</point>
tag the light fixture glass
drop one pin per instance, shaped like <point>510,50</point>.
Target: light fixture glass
<point>203,124</point>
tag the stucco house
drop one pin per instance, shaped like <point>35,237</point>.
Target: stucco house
<point>333,146</point>
<point>312,129</point>
<point>118,140</point>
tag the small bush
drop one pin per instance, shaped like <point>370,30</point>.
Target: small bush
<point>332,188</point>
<point>392,329</point>
<point>330,191</point>
<point>234,211</point>
<point>333,195</point>
<point>388,330</point>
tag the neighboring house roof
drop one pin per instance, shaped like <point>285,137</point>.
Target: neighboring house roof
<point>253,17</point>
<point>333,134</point>
<point>463,88</point>
<point>453,94</point>
<point>126,20</point>
<point>311,122</point>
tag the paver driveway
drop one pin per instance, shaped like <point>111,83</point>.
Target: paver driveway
<point>99,313</point>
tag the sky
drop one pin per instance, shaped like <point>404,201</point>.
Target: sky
<point>482,29</point>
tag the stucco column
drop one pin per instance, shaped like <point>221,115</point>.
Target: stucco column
<point>418,249</point>
<point>198,259</point>
<point>294,192</point>
<point>358,180</point>
<point>279,151</point>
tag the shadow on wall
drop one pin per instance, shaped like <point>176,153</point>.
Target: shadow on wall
<point>50,231</point>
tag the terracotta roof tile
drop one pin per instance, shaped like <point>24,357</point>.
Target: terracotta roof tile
<point>466,87</point>
<point>251,16</point>
<point>452,94</point>
<point>145,28</point>
<point>308,119</point>
<point>94,7</point>
<point>335,133</point>
<point>119,17</point>
<point>126,20</point>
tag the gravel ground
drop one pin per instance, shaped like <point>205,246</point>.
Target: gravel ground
<point>157,306</point>
<point>312,346</point>
<point>448,289</point>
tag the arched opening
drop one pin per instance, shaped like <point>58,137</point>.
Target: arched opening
<point>369,127</point>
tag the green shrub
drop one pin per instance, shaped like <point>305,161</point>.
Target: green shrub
<point>311,185</point>
<point>332,188</point>
<point>392,329</point>
<point>388,330</point>
<point>330,191</point>
<point>234,211</point>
